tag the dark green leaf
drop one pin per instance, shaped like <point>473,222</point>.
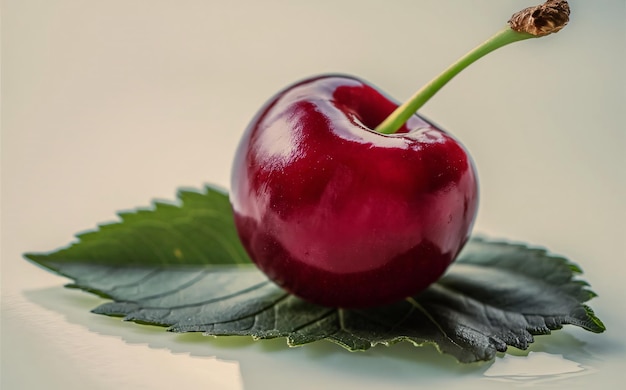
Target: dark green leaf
<point>181,266</point>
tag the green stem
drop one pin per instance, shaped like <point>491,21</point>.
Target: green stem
<point>404,112</point>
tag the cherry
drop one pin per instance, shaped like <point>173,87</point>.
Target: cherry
<point>340,214</point>
<point>347,200</point>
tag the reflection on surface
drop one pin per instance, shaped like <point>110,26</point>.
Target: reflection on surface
<point>536,367</point>
<point>52,348</point>
<point>271,364</point>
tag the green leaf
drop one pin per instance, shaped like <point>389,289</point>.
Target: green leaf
<point>182,266</point>
<point>198,230</point>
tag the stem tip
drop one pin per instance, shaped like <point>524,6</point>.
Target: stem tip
<point>541,20</point>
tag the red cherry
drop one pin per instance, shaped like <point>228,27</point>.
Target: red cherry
<point>345,199</point>
<point>342,215</point>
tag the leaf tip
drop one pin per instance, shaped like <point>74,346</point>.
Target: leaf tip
<point>598,325</point>
<point>575,268</point>
<point>32,256</point>
<point>41,260</point>
<point>215,188</point>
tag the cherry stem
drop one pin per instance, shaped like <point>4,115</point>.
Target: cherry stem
<point>395,121</point>
<point>528,23</point>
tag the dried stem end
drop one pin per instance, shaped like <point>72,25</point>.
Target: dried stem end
<point>529,23</point>
<point>541,20</point>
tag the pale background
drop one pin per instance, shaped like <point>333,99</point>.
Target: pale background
<point>109,104</point>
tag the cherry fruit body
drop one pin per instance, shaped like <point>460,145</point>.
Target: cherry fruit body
<point>344,216</point>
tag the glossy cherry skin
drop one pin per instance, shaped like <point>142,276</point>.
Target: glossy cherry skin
<point>344,216</point>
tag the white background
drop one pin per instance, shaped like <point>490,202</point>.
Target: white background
<point>107,105</point>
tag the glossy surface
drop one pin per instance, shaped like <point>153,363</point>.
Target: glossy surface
<point>109,104</point>
<point>342,215</point>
